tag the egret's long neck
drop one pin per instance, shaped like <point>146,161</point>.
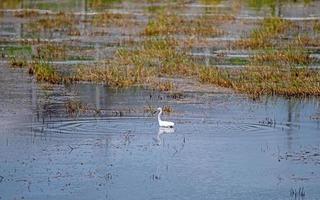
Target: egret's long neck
<point>159,115</point>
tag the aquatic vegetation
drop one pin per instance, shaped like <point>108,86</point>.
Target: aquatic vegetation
<point>10,4</point>
<point>75,107</point>
<point>114,76</point>
<point>58,22</point>
<point>293,55</point>
<point>44,72</point>
<point>51,51</point>
<point>266,80</point>
<point>167,109</point>
<point>100,3</point>
<point>108,18</point>
<point>166,86</point>
<point>171,24</point>
<point>216,76</point>
<point>316,26</point>
<point>267,35</point>
<point>26,13</point>
<point>154,58</point>
<point>18,62</point>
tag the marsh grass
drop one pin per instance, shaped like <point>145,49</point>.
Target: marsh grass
<point>261,80</point>
<point>316,26</point>
<point>291,56</point>
<point>171,24</point>
<point>270,31</point>
<point>44,72</point>
<point>166,86</point>
<point>17,62</point>
<point>107,18</point>
<point>59,22</point>
<point>26,13</point>
<point>51,51</point>
<point>143,65</point>
<point>75,107</point>
<point>278,68</point>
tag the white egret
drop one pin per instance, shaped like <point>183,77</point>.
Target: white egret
<point>164,123</point>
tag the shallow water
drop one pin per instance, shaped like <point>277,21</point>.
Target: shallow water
<point>224,145</point>
<point>96,43</point>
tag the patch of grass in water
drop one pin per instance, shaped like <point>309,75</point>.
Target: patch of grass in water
<point>10,4</point>
<point>267,35</point>
<point>166,86</point>
<point>107,19</point>
<point>60,22</point>
<point>18,62</point>
<point>154,58</point>
<point>75,107</point>
<point>26,13</point>
<point>44,72</point>
<point>237,61</point>
<point>161,57</point>
<point>51,51</point>
<point>293,55</point>
<point>316,26</point>
<point>17,50</point>
<point>172,24</point>
<point>261,80</point>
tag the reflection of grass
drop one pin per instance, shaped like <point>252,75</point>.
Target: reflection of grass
<point>75,107</point>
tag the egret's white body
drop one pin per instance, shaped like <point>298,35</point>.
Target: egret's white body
<point>164,123</point>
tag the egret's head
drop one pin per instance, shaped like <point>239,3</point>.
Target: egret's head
<point>159,109</point>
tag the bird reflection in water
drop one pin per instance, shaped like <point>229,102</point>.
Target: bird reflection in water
<point>163,130</point>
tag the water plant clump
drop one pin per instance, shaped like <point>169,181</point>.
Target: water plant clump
<point>259,80</point>
<point>172,24</point>
<point>57,22</point>
<point>108,18</point>
<point>154,58</point>
<point>293,55</point>
<point>26,13</point>
<point>51,51</point>
<point>270,31</point>
<point>44,72</point>
<point>17,62</point>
